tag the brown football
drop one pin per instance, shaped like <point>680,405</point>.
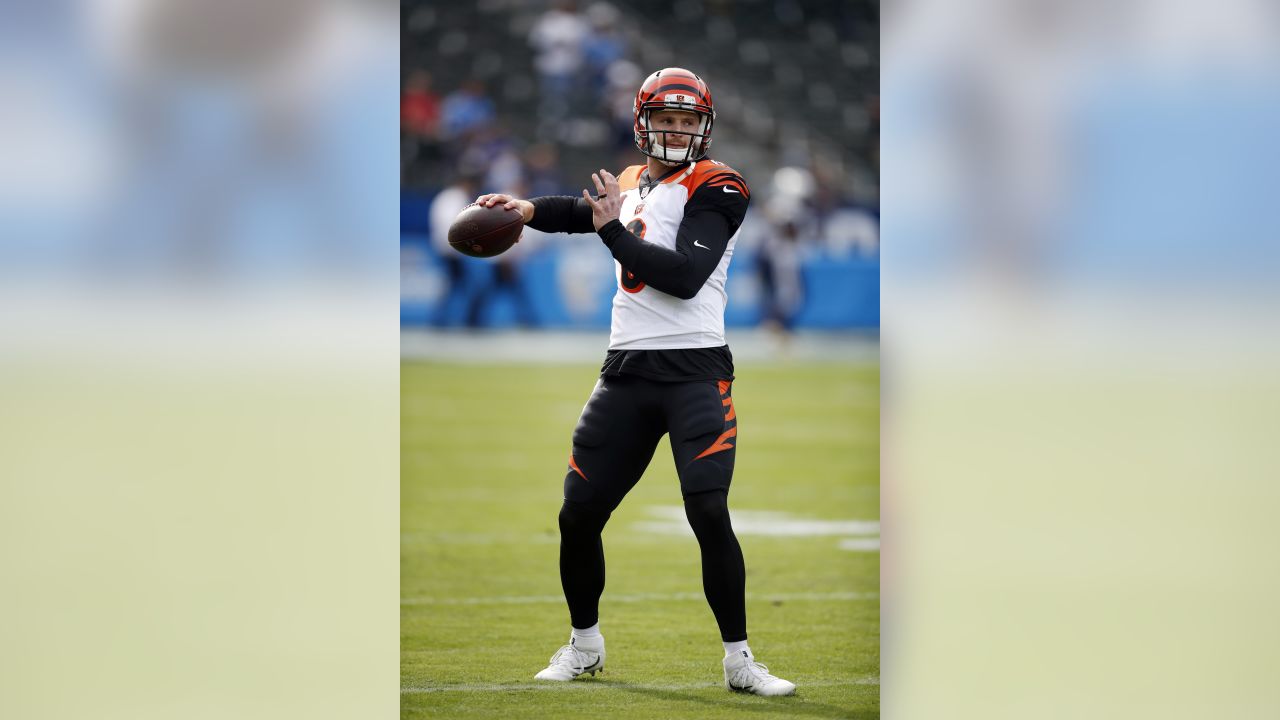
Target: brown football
<point>483,232</point>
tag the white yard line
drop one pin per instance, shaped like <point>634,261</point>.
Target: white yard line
<point>861,544</point>
<point>605,684</point>
<point>670,520</point>
<point>635,598</point>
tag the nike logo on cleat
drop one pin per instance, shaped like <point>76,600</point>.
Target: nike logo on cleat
<point>704,247</point>
<point>735,192</point>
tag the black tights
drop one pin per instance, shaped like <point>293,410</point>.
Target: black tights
<point>582,561</point>
<point>723,572</point>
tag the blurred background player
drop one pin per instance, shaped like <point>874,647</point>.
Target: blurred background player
<point>444,208</point>
<point>781,284</point>
<point>671,225</point>
<point>505,278</point>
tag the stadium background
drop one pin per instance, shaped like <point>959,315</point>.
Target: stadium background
<point>530,97</point>
<point>202,393</point>
<point>498,356</point>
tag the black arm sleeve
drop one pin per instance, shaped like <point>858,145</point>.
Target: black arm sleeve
<point>561,213</point>
<point>711,217</point>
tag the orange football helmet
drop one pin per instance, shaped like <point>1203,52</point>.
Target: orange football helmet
<point>673,89</point>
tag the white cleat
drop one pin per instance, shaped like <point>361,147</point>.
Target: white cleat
<point>576,658</point>
<point>743,674</point>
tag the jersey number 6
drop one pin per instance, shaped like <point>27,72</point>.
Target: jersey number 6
<point>629,281</point>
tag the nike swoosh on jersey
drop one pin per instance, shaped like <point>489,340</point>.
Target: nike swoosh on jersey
<point>704,247</point>
<point>726,189</point>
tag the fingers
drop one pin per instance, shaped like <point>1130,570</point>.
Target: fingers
<point>606,186</point>
<point>605,181</point>
<point>611,188</point>
<point>494,198</point>
<point>607,189</point>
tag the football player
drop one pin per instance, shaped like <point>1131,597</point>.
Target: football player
<point>670,224</point>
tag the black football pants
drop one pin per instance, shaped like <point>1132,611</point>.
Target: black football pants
<point>613,443</point>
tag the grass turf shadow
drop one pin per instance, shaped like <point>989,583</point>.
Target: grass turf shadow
<point>790,706</point>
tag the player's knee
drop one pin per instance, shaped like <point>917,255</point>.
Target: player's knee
<point>707,510</point>
<point>581,521</point>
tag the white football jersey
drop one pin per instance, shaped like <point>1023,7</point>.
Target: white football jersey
<point>645,318</point>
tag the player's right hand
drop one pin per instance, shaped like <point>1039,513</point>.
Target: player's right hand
<point>524,206</point>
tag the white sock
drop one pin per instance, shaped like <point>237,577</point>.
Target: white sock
<point>590,634</point>
<point>736,648</point>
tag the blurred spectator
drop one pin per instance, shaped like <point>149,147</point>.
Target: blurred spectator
<point>466,110</point>
<point>419,123</point>
<point>603,47</point>
<point>444,209</point>
<point>506,169</point>
<point>419,106</point>
<point>621,81</point>
<point>542,171</point>
<point>557,39</point>
<point>492,148</point>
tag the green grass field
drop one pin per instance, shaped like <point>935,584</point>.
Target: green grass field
<point>484,453</point>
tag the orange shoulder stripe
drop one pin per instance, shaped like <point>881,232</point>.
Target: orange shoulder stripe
<point>630,178</point>
<point>714,174</point>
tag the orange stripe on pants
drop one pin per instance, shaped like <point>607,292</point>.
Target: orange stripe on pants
<point>720,443</point>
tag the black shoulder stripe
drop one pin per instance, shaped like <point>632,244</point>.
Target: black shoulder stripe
<point>726,181</point>
<point>726,176</point>
<point>729,181</point>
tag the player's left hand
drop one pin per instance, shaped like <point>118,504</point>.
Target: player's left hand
<point>609,204</point>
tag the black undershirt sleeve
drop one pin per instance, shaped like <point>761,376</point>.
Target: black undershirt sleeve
<point>561,213</point>
<point>711,217</point>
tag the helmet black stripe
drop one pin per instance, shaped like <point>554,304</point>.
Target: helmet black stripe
<point>693,90</point>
